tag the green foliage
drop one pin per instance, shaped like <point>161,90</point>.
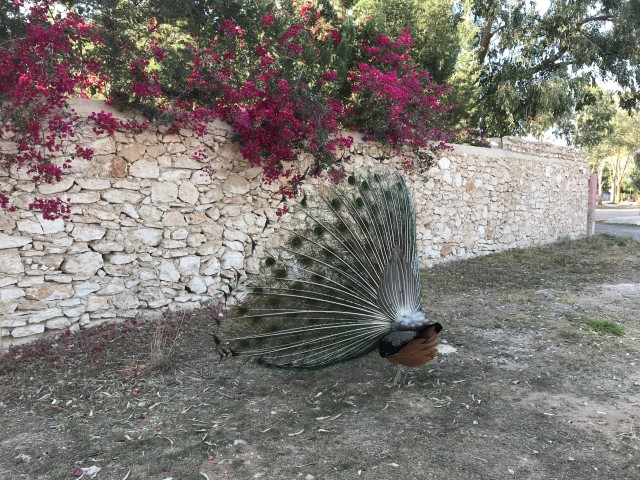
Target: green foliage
<point>535,65</point>
<point>605,327</point>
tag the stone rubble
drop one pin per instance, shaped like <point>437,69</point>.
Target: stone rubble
<point>151,230</point>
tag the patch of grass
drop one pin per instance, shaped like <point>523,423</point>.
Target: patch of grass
<point>606,327</point>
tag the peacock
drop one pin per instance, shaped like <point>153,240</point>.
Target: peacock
<point>344,283</point>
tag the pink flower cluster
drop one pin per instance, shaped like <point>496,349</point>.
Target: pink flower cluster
<point>38,73</point>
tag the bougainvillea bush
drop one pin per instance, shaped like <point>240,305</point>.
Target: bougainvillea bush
<point>287,89</point>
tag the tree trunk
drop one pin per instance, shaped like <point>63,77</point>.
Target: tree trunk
<point>600,175</point>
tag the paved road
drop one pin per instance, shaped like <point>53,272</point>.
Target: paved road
<point>606,213</point>
<point>620,230</point>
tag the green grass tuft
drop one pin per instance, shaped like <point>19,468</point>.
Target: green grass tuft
<point>605,327</point>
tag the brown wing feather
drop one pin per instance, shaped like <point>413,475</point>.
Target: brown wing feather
<point>419,351</point>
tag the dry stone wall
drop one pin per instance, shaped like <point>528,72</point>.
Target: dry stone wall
<point>151,229</point>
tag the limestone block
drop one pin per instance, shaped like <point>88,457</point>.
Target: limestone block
<point>129,210</point>
<point>232,259</point>
<point>50,292</point>
<point>87,233</point>
<point>95,303</point>
<point>148,236</point>
<point>13,241</point>
<point>235,235</point>
<point>164,192</point>
<point>236,185</point>
<point>31,281</point>
<point>50,226</point>
<point>58,323</point>
<point>13,322</point>
<point>197,285</point>
<point>6,281</point>
<point>104,146</point>
<point>118,167</point>
<point>56,187</point>
<point>179,234</point>
<point>213,231</point>
<point>209,248</point>
<point>201,178</point>
<point>444,163</point>
<point>74,311</point>
<point>93,183</point>
<point>174,218</point>
<point>132,152</point>
<point>122,196</point>
<point>7,223</point>
<point>196,218</point>
<point>188,193</point>
<point>82,198</point>
<point>27,330</point>
<point>168,271</point>
<point>236,246</point>
<point>127,184</point>
<point>252,266</point>
<point>10,262</point>
<point>154,151</point>
<point>212,267</point>
<point>87,263</point>
<point>189,265</point>
<point>173,176</point>
<point>144,169</point>
<point>118,270</point>
<point>185,161</point>
<point>169,244</point>
<point>11,294</point>
<point>120,258</point>
<point>215,194</point>
<point>126,301</point>
<point>114,287</point>
<point>196,239</point>
<point>107,247</point>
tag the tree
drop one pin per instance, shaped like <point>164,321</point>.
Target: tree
<point>536,65</point>
<point>616,150</point>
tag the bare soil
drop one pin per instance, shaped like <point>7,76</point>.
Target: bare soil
<point>527,390</point>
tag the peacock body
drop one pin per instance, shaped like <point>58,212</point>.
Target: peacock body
<point>346,283</point>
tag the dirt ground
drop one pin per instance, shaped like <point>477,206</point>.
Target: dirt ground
<point>526,391</point>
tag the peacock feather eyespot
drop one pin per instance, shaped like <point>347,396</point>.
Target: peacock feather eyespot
<point>377,177</point>
<point>258,290</point>
<point>315,278</point>
<point>388,194</point>
<point>359,202</point>
<point>336,203</point>
<point>242,310</point>
<point>318,230</point>
<point>364,185</point>
<point>296,241</point>
<point>351,180</point>
<point>270,261</point>
<point>280,273</point>
<point>342,227</point>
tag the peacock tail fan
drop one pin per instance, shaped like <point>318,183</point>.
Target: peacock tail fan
<point>339,283</point>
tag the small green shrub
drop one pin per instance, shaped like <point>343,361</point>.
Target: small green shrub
<point>605,327</point>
